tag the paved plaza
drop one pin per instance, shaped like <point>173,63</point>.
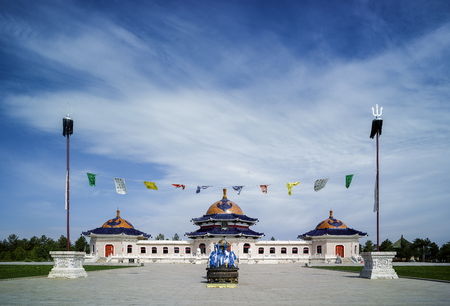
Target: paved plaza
<point>184,284</point>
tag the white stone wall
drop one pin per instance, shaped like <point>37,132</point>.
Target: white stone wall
<point>273,251</point>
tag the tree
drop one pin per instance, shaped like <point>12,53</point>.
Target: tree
<point>176,237</point>
<point>369,246</point>
<point>424,248</point>
<point>386,246</point>
<point>13,241</point>
<point>405,249</point>
<point>434,250</point>
<point>42,252</point>
<point>61,244</point>
<point>272,239</point>
<point>159,237</point>
<point>444,252</point>
<point>20,254</point>
<point>81,245</point>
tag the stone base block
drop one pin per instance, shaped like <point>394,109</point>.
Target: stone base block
<point>220,285</point>
<point>67,264</point>
<point>378,265</point>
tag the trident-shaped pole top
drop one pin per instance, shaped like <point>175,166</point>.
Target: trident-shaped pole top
<point>69,110</point>
<point>377,114</point>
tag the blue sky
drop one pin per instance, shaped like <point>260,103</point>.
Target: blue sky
<point>225,93</point>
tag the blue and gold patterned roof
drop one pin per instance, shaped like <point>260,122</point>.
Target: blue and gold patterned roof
<point>117,222</point>
<point>331,223</point>
<point>331,227</point>
<point>117,226</point>
<point>224,206</point>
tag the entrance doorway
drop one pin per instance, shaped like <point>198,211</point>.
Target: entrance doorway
<point>340,250</point>
<point>109,250</point>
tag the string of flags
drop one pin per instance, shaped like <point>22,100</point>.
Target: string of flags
<point>121,187</point>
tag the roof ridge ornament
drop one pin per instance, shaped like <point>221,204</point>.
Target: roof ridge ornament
<point>224,193</point>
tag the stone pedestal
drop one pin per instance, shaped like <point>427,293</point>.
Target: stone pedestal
<point>378,265</point>
<point>67,264</point>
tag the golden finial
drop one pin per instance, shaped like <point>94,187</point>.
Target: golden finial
<point>118,214</point>
<point>331,214</point>
<point>224,193</point>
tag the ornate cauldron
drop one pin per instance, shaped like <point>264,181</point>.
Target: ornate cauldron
<point>221,264</point>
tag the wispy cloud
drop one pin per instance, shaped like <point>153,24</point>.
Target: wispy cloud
<point>179,101</point>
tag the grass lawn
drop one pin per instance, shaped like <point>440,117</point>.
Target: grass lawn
<point>430,272</point>
<point>15,271</point>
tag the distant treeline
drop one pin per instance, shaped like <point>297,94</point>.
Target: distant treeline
<point>419,249</point>
<point>35,248</point>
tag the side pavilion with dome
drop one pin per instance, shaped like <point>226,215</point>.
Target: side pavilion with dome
<point>119,242</point>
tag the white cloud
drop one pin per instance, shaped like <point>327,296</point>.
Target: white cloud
<point>289,120</point>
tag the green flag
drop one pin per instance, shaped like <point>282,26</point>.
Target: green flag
<point>348,180</point>
<point>91,178</point>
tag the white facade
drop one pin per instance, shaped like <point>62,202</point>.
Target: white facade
<point>129,249</point>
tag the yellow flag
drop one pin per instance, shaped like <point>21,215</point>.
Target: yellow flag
<point>150,185</point>
<point>289,186</point>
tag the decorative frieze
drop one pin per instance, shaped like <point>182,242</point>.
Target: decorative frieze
<point>378,265</point>
<point>67,264</point>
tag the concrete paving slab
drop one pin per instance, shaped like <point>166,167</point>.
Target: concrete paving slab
<point>181,284</point>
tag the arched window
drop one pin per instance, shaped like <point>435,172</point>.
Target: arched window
<point>283,250</point>
<point>143,250</point>
<point>295,250</point>
<point>305,250</point>
<point>272,250</point>
<point>202,247</point>
<point>129,249</point>
<point>176,250</point>
<point>187,250</point>
<point>154,250</point>
<point>165,250</point>
<point>319,249</point>
<point>246,248</point>
<point>261,250</point>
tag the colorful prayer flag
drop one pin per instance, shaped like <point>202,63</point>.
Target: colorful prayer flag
<point>289,186</point>
<point>179,185</point>
<point>199,188</point>
<point>263,188</point>
<point>150,185</point>
<point>238,189</point>
<point>121,188</point>
<point>91,178</point>
<point>320,184</point>
<point>348,180</point>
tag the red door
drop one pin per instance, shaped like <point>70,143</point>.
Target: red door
<point>109,250</point>
<point>340,250</point>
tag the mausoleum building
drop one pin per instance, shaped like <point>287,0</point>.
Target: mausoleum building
<point>118,241</point>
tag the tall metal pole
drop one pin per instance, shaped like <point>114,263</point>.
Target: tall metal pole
<point>67,131</point>
<point>378,195</point>
<point>377,124</point>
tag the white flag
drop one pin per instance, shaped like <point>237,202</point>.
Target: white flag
<point>121,188</point>
<point>319,184</point>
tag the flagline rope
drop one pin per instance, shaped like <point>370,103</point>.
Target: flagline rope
<point>190,185</point>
